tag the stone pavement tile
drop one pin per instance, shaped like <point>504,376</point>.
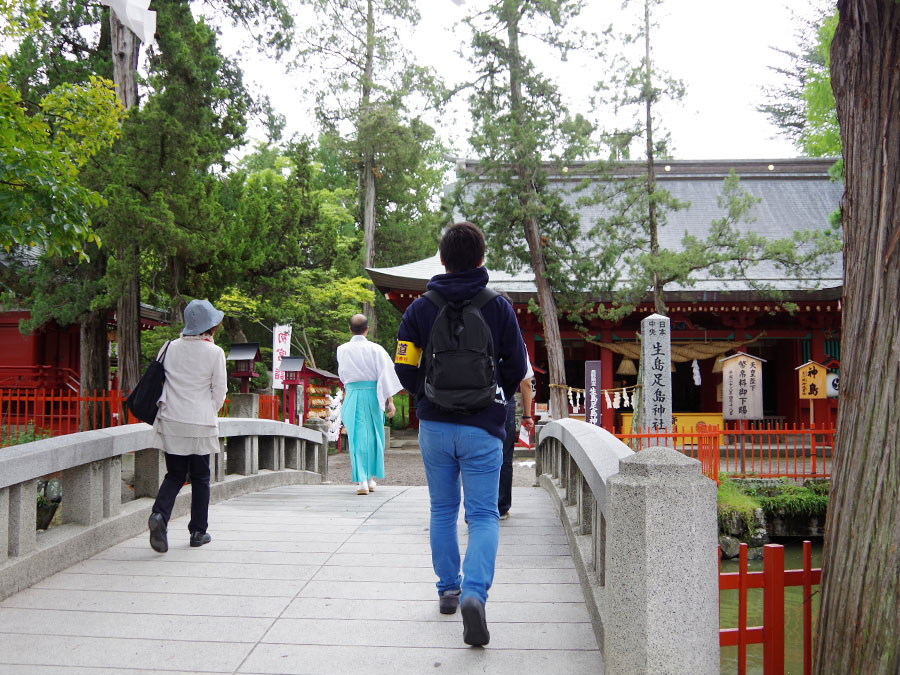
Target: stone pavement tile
<point>261,576</point>
<point>181,552</point>
<point>57,653</point>
<point>201,585</point>
<point>181,602</point>
<point>364,633</point>
<point>327,660</point>
<point>381,590</point>
<point>389,547</point>
<point>535,561</point>
<point>271,544</point>
<point>427,610</point>
<point>73,670</point>
<point>517,575</point>
<point>267,537</point>
<point>40,621</point>
<point>381,560</point>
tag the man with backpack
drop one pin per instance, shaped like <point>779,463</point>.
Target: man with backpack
<point>461,352</point>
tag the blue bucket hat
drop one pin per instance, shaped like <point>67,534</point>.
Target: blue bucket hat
<point>200,316</point>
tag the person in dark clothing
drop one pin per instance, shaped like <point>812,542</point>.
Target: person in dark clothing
<point>462,446</point>
<point>504,496</point>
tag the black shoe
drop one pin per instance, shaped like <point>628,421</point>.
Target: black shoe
<point>200,538</point>
<point>449,601</point>
<point>159,542</point>
<point>475,630</point>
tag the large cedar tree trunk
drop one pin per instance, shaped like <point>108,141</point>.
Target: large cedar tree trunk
<point>859,615</point>
<point>528,197</point>
<point>367,175</point>
<point>94,345</point>
<point>125,46</point>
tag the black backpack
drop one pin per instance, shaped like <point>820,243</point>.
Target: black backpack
<point>460,371</point>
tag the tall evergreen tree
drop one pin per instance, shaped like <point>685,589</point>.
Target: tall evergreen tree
<point>860,607</point>
<point>364,77</point>
<point>521,125</point>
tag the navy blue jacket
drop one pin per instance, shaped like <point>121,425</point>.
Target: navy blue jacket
<point>509,349</point>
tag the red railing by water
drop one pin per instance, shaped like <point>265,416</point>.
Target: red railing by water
<point>773,579</point>
<point>784,452</point>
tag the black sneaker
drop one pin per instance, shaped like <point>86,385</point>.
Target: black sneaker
<point>159,542</point>
<point>449,601</point>
<point>475,630</point>
<point>200,538</point>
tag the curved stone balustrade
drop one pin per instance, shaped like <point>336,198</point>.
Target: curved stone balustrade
<point>256,455</point>
<point>642,528</point>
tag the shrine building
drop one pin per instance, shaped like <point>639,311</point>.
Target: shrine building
<point>710,319</point>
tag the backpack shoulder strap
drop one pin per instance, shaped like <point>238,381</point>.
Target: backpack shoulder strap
<point>165,351</point>
<point>483,297</point>
<point>436,298</point>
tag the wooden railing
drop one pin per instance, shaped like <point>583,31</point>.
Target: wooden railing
<point>773,579</point>
<point>270,407</point>
<point>30,414</point>
<point>797,452</point>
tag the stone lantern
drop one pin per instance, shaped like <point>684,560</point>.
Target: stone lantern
<point>244,354</point>
<point>292,367</point>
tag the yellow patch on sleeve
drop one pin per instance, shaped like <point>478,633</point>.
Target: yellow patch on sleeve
<point>407,353</point>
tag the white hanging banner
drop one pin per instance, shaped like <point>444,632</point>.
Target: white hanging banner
<point>281,347</point>
<point>135,15</point>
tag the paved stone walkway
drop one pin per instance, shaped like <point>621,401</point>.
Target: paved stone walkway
<point>305,579</point>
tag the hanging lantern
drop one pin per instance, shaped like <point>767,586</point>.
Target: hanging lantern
<point>626,367</point>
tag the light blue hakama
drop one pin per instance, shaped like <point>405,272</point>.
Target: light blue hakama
<point>362,416</point>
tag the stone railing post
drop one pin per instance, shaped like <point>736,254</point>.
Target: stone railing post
<point>83,493</point>
<point>662,575</point>
<point>4,524</point>
<point>21,502</point>
<point>149,471</point>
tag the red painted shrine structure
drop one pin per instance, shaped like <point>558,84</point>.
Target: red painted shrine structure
<point>711,318</point>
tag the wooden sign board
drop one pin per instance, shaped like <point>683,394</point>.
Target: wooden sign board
<point>812,380</point>
<point>742,387</point>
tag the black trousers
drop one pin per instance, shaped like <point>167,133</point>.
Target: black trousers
<point>178,468</point>
<point>504,495</point>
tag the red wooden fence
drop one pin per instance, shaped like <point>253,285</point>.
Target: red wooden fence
<point>27,414</point>
<point>785,452</point>
<point>270,407</point>
<point>773,579</point>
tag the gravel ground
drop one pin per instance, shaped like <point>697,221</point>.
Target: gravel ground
<point>404,467</point>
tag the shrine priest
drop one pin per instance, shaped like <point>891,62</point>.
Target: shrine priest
<point>370,384</point>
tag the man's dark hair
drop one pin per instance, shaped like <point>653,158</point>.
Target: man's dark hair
<point>358,324</point>
<point>462,247</point>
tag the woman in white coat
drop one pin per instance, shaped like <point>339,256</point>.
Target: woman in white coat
<point>186,427</point>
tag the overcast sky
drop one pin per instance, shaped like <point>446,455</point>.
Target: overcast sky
<point>721,49</point>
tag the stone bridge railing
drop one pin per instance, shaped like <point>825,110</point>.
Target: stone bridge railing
<point>256,455</point>
<point>642,528</point>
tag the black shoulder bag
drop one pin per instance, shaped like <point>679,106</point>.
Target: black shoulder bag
<point>143,398</point>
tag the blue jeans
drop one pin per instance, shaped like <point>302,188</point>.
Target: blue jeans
<point>450,452</point>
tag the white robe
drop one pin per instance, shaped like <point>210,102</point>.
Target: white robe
<point>362,361</point>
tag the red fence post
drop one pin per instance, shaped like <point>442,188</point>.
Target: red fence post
<point>773,609</point>
<point>742,610</point>
<point>807,608</point>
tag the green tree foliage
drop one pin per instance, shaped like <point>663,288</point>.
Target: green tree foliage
<point>365,81</point>
<point>44,145</point>
<point>802,106</point>
<point>520,124</point>
<point>636,206</point>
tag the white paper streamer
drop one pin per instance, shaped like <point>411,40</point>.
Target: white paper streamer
<point>696,368</point>
<point>625,400</point>
<point>617,400</point>
<point>608,399</point>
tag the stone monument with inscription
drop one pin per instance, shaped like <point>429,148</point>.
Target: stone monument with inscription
<point>656,373</point>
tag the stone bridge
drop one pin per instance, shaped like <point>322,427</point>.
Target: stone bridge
<point>611,568</point>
